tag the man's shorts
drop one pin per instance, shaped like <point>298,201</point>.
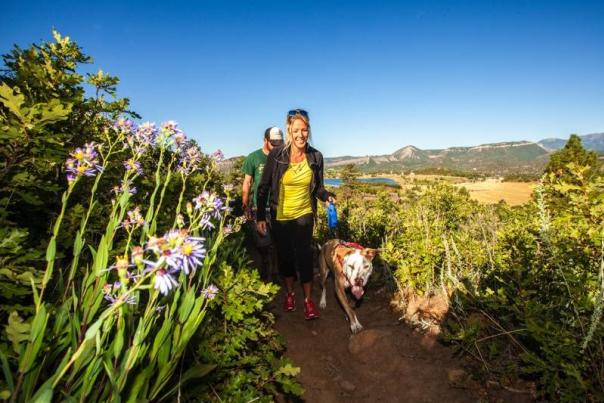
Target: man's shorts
<point>261,241</point>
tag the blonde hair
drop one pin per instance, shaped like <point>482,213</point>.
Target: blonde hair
<point>289,121</point>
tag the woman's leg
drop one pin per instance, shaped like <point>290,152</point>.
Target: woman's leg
<point>283,242</point>
<point>303,252</point>
<point>285,252</point>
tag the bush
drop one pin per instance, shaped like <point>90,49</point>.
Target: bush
<point>523,284</point>
<point>108,304</point>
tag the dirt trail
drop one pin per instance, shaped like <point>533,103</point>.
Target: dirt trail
<point>386,362</point>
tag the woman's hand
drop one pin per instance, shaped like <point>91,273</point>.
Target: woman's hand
<point>261,227</point>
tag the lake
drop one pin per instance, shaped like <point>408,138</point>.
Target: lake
<point>337,181</point>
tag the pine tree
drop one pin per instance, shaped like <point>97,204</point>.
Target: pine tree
<point>573,152</point>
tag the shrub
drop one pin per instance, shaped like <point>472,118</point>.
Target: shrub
<point>106,307</point>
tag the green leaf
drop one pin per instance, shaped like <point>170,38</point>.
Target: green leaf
<point>118,342</point>
<point>161,338</point>
<point>44,395</point>
<point>196,372</point>
<point>186,306</point>
<point>93,329</point>
<point>51,250</point>
<point>17,331</point>
<point>12,100</point>
<point>8,376</point>
<point>77,244</point>
<point>288,370</point>
<point>140,385</point>
<point>36,336</point>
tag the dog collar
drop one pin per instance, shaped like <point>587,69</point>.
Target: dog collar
<point>352,245</point>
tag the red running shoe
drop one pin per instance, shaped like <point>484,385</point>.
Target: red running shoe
<point>310,310</point>
<point>289,304</point>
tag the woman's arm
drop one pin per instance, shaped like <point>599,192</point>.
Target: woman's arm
<point>322,193</point>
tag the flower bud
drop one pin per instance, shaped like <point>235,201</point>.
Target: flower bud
<point>180,221</point>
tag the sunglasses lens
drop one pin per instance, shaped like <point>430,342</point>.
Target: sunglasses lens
<point>295,112</point>
<point>276,143</point>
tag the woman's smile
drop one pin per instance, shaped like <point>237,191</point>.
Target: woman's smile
<point>299,133</point>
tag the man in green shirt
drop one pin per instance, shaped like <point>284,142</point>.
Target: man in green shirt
<point>252,167</point>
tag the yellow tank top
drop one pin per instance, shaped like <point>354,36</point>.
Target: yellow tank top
<point>294,192</point>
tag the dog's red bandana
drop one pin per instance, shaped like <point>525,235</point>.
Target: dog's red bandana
<point>352,245</point>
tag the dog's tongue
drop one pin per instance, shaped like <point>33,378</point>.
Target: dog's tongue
<point>357,291</point>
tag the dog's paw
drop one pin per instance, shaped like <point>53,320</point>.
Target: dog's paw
<point>356,327</point>
<point>323,302</point>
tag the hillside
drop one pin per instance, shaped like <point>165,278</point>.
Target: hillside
<point>514,157</point>
<point>499,158</point>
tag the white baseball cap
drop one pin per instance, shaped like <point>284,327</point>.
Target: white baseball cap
<point>274,133</point>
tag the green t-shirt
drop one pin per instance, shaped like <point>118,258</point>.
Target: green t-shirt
<point>253,166</point>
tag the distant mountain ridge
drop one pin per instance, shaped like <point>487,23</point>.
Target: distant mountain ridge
<point>510,157</point>
<point>594,142</point>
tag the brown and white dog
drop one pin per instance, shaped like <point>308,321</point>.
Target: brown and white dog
<point>351,265</point>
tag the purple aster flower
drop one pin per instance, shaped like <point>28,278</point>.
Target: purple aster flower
<point>170,248</point>
<point>169,126</point>
<point>178,251</point>
<point>111,292</point>
<point>146,133</point>
<point>164,282</point>
<point>180,138</point>
<point>170,133</point>
<point>83,161</point>
<point>133,165</point>
<point>189,159</point>
<point>122,188</point>
<point>124,125</point>
<point>134,220</point>
<point>155,244</point>
<point>205,222</point>
<point>218,155</point>
<point>210,292</point>
<point>218,205</point>
<point>191,253</point>
<point>209,202</point>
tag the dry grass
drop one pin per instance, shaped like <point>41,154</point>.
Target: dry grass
<point>488,191</point>
<point>492,191</point>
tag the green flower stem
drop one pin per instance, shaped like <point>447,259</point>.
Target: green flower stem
<point>52,244</point>
<point>213,252</point>
<point>149,215</point>
<point>153,224</point>
<point>180,197</point>
<point>128,242</point>
<point>78,246</point>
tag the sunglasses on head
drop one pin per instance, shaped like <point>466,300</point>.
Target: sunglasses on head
<point>276,143</point>
<point>295,112</point>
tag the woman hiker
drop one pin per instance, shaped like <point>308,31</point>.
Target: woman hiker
<point>293,176</point>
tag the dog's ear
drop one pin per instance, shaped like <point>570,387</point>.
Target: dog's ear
<point>341,253</point>
<point>369,253</point>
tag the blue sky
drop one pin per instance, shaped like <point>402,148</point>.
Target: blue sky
<point>374,76</point>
